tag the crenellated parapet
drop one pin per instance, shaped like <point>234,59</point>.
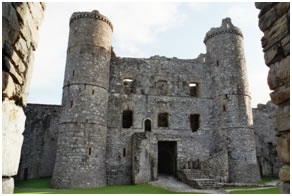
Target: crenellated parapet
<point>226,28</point>
<point>94,14</point>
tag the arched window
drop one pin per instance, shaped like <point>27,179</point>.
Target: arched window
<point>147,125</point>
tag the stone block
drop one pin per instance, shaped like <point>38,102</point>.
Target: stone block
<point>10,22</point>
<point>285,188</point>
<point>279,73</point>
<point>281,94</point>
<point>272,54</point>
<point>286,50</point>
<point>37,13</point>
<point>28,30</point>
<point>267,19</point>
<point>281,8</point>
<point>12,70</point>
<point>7,185</point>
<point>284,173</point>
<point>285,40</point>
<point>13,120</point>
<point>281,119</point>
<point>278,31</point>
<point>23,48</point>
<point>8,85</point>
<point>262,5</point>
<point>28,76</point>
<point>283,147</point>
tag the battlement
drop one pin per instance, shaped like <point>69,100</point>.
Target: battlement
<point>94,14</point>
<point>226,27</point>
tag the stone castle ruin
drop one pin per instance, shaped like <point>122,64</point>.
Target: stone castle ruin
<point>126,120</point>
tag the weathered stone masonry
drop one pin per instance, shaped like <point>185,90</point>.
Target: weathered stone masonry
<point>274,21</point>
<point>21,22</point>
<point>38,154</point>
<point>120,114</point>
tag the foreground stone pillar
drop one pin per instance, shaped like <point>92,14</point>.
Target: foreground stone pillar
<point>274,21</point>
<point>20,24</point>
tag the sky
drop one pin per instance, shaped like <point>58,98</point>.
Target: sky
<point>142,30</point>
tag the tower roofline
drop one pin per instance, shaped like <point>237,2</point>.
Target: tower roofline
<point>226,27</point>
<point>94,14</point>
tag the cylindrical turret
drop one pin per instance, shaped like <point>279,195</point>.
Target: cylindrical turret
<point>232,108</point>
<point>80,159</point>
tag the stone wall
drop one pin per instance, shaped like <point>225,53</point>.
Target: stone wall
<point>20,24</point>
<point>38,152</point>
<point>266,140</point>
<point>274,21</point>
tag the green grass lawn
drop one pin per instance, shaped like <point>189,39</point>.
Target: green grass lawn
<point>263,181</point>
<point>261,191</point>
<point>42,186</point>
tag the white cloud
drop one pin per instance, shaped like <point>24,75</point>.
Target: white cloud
<point>243,15</point>
<point>197,6</point>
<point>134,24</point>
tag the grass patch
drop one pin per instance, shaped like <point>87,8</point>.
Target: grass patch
<point>43,183</point>
<point>42,186</point>
<point>261,191</point>
<point>266,179</point>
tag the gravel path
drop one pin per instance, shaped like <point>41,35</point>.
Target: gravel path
<point>172,184</point>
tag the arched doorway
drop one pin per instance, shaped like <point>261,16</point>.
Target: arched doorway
<point>147,125</point>
<point>167,157</point>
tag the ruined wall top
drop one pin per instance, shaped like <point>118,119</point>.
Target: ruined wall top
<point>226,27</point>
<point>94,14</point>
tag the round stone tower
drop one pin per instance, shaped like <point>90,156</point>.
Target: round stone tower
<point>232,101</point>
<point>81,147</point>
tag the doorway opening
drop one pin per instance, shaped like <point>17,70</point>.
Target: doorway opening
<point>167,152</point>
<point>147,125</point>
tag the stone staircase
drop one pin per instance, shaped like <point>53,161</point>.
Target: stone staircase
<point>197,179</point>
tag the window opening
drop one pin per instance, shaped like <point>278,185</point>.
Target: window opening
<point>71,104</point>
<point>89,151</point>
<point>162,87</point>
<point>73,73</point>
<point>163,120</point>
<point>129,86</point>
<point>195,122</point>
<point>193,89</point>
<point>124,152</point>
<point>127,118</point>
<point>147,125</point>
<point>223,108</point>
<point>217,63</point>
<point>92,92</point>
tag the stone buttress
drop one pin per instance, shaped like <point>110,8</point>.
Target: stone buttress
<point>80,158</point>
<point>232,107</point>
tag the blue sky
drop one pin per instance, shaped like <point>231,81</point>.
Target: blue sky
<point>144,30</point>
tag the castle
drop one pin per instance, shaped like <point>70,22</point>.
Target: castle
<point>125,120</point>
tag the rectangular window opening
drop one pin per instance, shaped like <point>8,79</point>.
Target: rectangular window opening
<point>193,89</point>
<point>71,104</point>
<point>163,120</point>
<point>195,122</point>
<point>124,152</point>
<point>89,151</point>
<point>92,92</point>
<point>127,119</point>
<point>223,108</point>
